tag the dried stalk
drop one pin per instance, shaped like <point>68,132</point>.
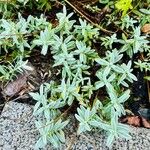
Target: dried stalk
<point>94,24</point>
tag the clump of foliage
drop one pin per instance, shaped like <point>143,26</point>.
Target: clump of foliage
<point>144,64</point>
<point>124,6</point>
<point>75,58</point>
<point>71,46</point>
<point>8,72</point>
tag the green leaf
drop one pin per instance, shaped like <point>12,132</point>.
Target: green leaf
<point>99,84</point>
<point>124,6</point>
<point>39,144</point>
<point>110,140</point>
<point>144,11</point>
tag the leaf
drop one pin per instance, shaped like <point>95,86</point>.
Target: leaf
<point>99,84</point>
<point>61,136</point>
<point>2,70</point>
<point>110,140</point>
<point>27,67</point>
<point>132,120</point>
<point>123,131</point>
<point>104,1</point>
<point>44,49</point>
<point>124,97</point>
<point>146,28</point>
<point>145,11</point>
<point>39,144</point>
<point>15,87</point>
<point>37,105</point>
<point>35,96</point>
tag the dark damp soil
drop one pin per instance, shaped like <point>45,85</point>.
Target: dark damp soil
<point>140,94</point>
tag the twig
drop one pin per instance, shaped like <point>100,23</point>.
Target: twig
<point>134,7</point>
<point>72,141</point>
<point>94,24</point>
<point>9,99</point>
<point>120,29</point>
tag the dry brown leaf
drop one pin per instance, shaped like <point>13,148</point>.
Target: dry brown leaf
<point>19,84</point>
<point>132,120</point>
<point>146,28</point>
<point>14,87</point>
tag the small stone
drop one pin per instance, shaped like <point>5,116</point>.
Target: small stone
<point>17,135</point>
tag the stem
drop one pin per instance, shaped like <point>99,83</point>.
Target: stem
<point>94,24</point>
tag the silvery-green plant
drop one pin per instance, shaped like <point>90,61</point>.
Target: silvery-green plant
<point>137,43</point>
<point>85,31</point>
<point>60,44</point>
<point>85,116</point>
<point>110,65</point>
<point>24,2</point>
<point>65,25</point>
<point>108,78</point>
<point>90,119</point>
<point>145,65</point>
<point>117,102</point>
<point>47,105</point>
<point>73,54</point>
<point>79,69</point>
<point>66,60</point>
<point>15,32</point>
<point>108,41</point>
<point>14,36</point>
<point>37,23</point>
<point>88,89</point>
<point>116,129</point>
<point>51,131</point>
<point>10,71</point>
<point>49,124</point>
<point>85,53</point>
<point>71,46</point>
<point>45,39</point>
<point>127,22</point>
<point>104,80</point>
<point>69,91</point>
<point>111,60</point>
<point>42,105</point>
<point>126,74</point>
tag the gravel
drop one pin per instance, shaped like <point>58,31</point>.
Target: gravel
<point>17,125</point>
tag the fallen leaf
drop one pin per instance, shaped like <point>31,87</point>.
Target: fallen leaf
<point>146,28</point>
<point>19,84</point>
<point>132,120</point>
<point>15,86</point>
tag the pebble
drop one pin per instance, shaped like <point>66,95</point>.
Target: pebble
<point>16,122</point>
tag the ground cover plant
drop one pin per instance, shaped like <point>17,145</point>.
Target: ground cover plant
<point>93,53</point>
